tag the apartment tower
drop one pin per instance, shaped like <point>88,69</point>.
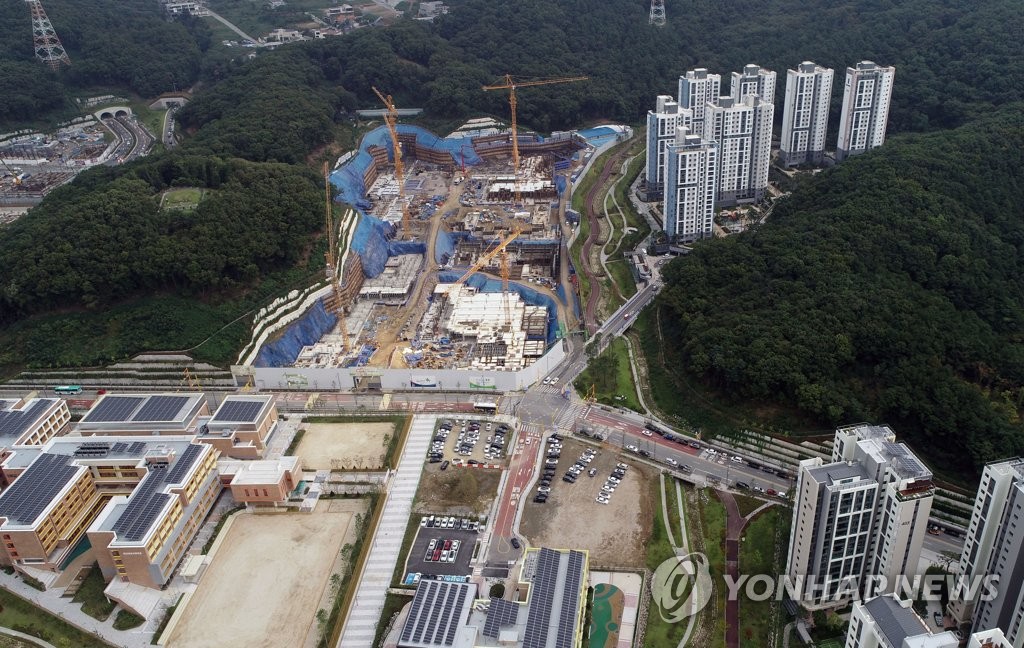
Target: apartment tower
<point>690,183</point>
<point>864,515</point>
<point>805,115</point>
<point>753,80</point>
<point>865,111</point>
<point>743,130</point>
<point>698,88</point>
<point>661,130</point>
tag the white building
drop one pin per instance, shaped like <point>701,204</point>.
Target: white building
<point>864,515</point>
<point>865,111</point>
<point>995,547</point>
<point>690,182</point>
<point>753,80</point>
<point>698,88</point>
<point>805,114</point>
<point>997,491</point>
<point>743,131</point>
<point>661,130</point>
<point>888,622</point>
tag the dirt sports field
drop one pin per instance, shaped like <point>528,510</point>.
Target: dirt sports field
<point>615,533</point>
<point>327,446</point>
<point>264,585</point>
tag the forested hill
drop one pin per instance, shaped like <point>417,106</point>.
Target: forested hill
<point>889,289</point>
<point>113,44</point>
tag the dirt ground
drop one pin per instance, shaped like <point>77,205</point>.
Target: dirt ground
<point>336,446</point>
<point>264,585</point>
<point>456,491</point>
<point>614,533</point>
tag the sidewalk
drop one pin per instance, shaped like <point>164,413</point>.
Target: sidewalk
<point>64,608</point>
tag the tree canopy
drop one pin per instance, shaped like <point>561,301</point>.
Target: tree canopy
<point>888,289</point>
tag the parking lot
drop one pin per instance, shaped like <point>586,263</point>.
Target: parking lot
<point>416,562</point>
<point>614,533</point>
<point>478,447</point>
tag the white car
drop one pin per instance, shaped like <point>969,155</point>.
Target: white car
<point>547,381</point>
<point>646,432</point>
<point>672,462</point>
<point>632,448</point>
<point>737,459</point>
<point>601,500</point>
<point>554,381</point>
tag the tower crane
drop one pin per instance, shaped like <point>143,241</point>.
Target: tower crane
<point>486,257</point>
<point>391,119</point>
<point>334,304</point>
<point>510,83</point>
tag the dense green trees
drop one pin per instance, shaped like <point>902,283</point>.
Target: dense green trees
<point>887,289</point>
<point>105,239</point>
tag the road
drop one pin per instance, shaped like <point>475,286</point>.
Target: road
<point>520,474</point>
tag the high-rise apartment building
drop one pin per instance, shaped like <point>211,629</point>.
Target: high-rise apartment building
<point>805,114</point>
<point>698,88</point>
<point>743,130</point>
<point>864,515</point>
<point>661,130</point>
<point>865,111</point>
<point>888,622</point>
<point>753,80</point>
<point>994,547</point>
<point>690,181</point>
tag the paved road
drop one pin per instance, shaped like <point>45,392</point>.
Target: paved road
<point>520,475</point>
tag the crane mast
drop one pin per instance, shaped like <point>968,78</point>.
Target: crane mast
<point>391,119</point>
<point>509,83</point>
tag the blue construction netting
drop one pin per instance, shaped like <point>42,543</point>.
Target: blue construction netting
<point>572,303</point>
<point>560,184</point>
<point>398,248</point>
<point>307,330</point>
<point>444,247</point>
<point>483,283</point>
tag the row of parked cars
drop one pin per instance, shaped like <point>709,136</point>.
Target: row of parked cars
<point>613,481</point>
<point>468,437</point>
<point>442,550</point>
<point>448,522</point>
<point>554,451</point>
<point>581,464</point>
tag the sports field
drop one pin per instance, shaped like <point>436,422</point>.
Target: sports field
<point>265,583</point>
<point>337,446</point>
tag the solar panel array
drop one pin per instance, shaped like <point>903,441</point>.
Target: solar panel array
<point>233,410</point>
<point>136,448</point>
<point>435,613</point>
<point>26,498</point>
<point>144,507</point>
<point>500,614</point>
<point>184,462</point>
<point>114,408</point>
<point>92,449</point>
<point>570,601</point>
<point>133,449</point>
<point>161,408</point>
<point>541,596</point>
<point>15,422</point>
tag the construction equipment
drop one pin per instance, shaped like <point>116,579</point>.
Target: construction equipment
<point>591,396</point>
<point>486,257</point>
<point>334,304</point>
<point>16,176</point>
<point>191,380</point>
<point>510,84</point>
<point>391,119</point>
<point>506,305</point>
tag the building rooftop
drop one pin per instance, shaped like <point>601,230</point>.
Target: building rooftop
<point>242,409</point>
<point>14,421</point>
<point>895,622</point>
<point>865,431</point>
<point>36,488</point>
<point>259,472</point>
<point>835,472</point>
<point>437,612</point>
<point>142,411</point>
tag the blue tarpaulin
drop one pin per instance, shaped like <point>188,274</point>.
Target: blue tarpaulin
<point>307,330</point>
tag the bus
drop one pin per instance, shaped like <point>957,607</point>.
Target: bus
<point>67,389</point>
<point>485,406</point>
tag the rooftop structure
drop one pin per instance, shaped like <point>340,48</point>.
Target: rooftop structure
<point>240,426</point>
<point>145,413</point>
<point>888,622</point>
<point>32,422</point>
<point>437,615</point>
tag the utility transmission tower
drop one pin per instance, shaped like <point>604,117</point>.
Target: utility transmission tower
<point>44,38</point>
<point>658,13</point>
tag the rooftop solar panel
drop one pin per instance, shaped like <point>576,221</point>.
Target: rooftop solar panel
<point>13,423</point>
<point>435,613</point>
<point>143,507</point>
<point>241,411</point>
<point>161,408</point>
<point>26,498</point>
<point>136,448</point>
<point>501,613</point>
<point>183,463</point>
<point>113,409</point>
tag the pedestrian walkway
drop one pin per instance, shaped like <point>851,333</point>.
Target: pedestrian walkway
<point>368,603</point>
<point>71,613</point>
<point>571,415</point>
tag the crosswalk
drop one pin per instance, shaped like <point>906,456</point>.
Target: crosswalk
<point>572,415</point>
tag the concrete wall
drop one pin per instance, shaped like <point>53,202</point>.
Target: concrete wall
<point>344,379</point>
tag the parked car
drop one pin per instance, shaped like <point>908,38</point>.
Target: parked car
<point>444,465</point>
<point>515,543</point>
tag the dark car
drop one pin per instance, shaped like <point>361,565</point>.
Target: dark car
<point>473,462</point>
<point>645,453</point>
<point>434,460</point>
<point>515,543</point>
<point>540,499</point>
<point>444,465</point>
<point>743,485</point>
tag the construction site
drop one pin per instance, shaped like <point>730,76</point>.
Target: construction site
<point>451,257</point>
